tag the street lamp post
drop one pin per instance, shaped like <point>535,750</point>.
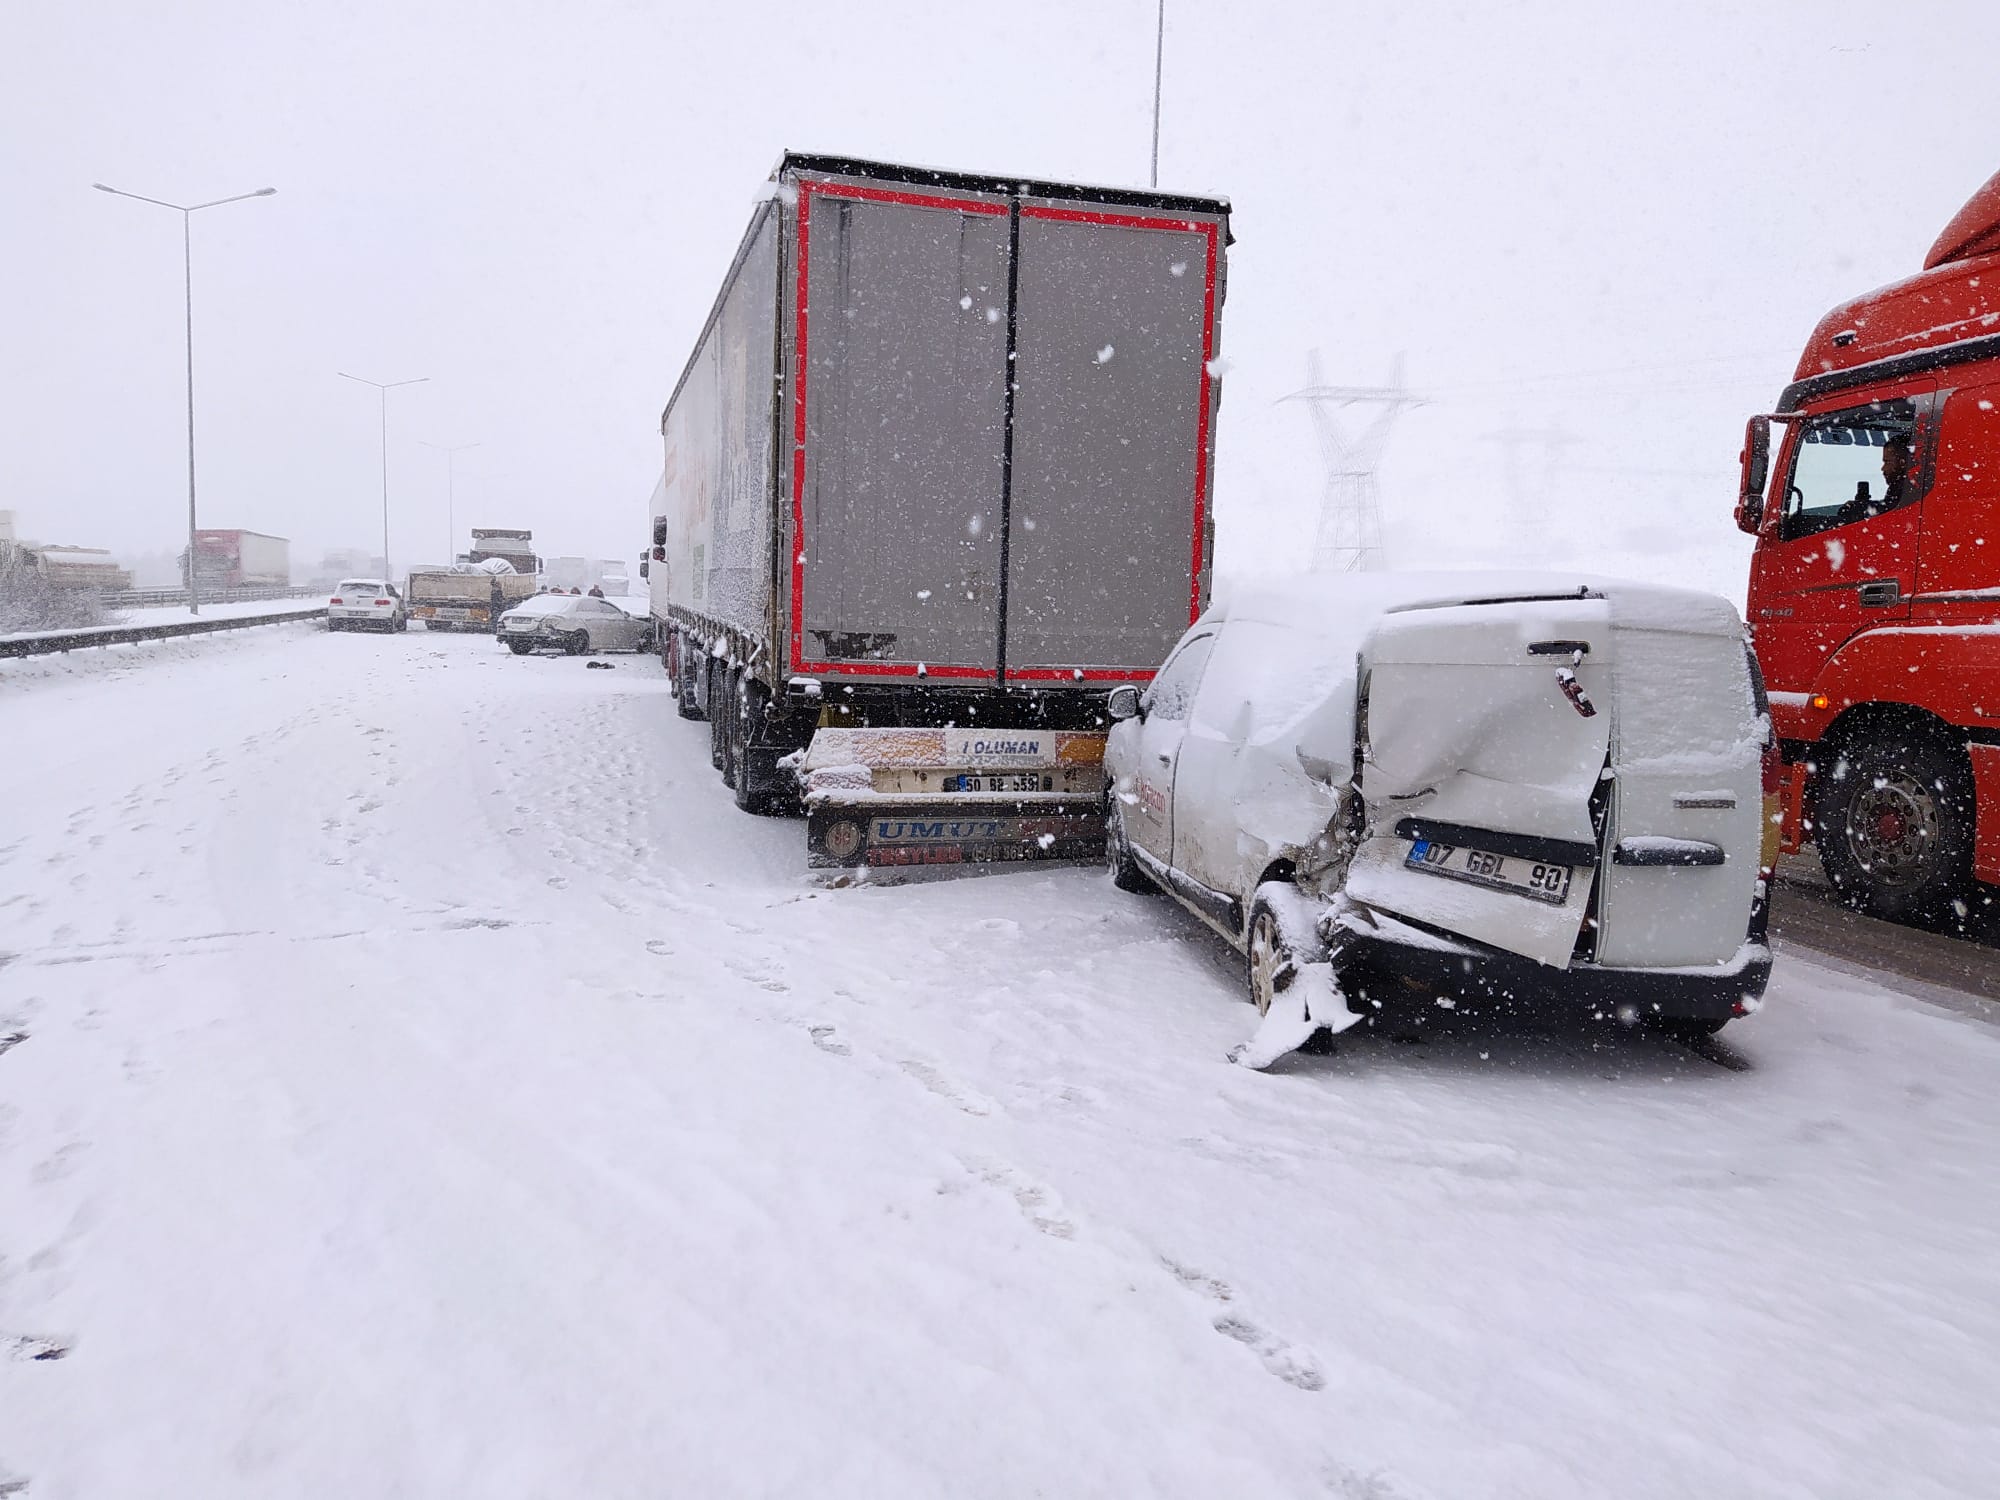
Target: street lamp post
<point>1159,59</point>
<point>450,494</point>
<point>384,387</point>
<point>187,211</point>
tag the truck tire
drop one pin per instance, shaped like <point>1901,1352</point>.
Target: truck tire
<point>756,765</point>
<point>1893,818</point>
<point>712,706</point>
<point>687,702</point>
<point>733,743</point>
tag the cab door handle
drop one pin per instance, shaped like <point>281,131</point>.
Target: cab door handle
<point>1881,593</point>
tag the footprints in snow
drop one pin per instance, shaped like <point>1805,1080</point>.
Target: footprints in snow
<point>26,1348</point>
<point>934,1080</point>
<point>1290,1363</point>
<point>1038,1204</point>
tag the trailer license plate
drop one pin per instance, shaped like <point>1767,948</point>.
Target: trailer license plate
<point>1011,782</point>
<point>456,614</point>
<point>1536,879</point>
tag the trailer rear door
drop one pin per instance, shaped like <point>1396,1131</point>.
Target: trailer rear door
<point>1115,313</point>
<point>899,418</point>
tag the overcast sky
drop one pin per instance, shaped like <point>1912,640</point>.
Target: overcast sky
<point>1612,222</point>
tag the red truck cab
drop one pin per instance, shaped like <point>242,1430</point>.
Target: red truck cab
<point>1874,495</point>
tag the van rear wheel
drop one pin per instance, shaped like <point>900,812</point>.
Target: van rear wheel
<point>1272,954</point>
<point>1893,818</point>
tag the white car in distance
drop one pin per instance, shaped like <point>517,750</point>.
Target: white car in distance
<point>573,623</point>
<point>367,604</point>
<point>1504,792</point>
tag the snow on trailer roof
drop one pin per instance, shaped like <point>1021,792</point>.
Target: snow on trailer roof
<point>1347,605</point>
<point>999,182</point>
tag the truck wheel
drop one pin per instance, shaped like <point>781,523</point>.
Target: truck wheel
<point>1125,871</point>
<point>1272,955</point>
<point>687,702</point>
<point>731,729</point>
<point>1893,818</point>
<point>712,706</point>
<point>756,765</point>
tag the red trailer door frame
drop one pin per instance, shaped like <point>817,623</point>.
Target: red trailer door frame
<point>1140,659</point>
<point>1092,470</point>
<point>809,190</point>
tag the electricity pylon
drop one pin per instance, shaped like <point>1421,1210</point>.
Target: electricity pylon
<point>1350,517</point>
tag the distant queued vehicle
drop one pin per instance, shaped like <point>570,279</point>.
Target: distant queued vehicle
<point>572,623</point>
<point>367,604</point>
<point>1516,791</point>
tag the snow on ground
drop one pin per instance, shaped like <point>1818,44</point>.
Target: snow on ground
<point>419,1080</point>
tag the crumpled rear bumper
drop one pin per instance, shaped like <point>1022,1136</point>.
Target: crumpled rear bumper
<point>1385,964</point>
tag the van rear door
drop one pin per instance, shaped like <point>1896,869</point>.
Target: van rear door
<point>1686,813</point>
<point>1485,734</point>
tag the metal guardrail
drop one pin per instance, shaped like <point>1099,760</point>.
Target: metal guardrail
<point>152,598</point>
<point>49,642</point>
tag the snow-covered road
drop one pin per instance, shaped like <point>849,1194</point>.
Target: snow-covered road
<point>417,1079</point>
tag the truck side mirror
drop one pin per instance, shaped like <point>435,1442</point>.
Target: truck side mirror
<point>1756,460</point>
<point>1123,702</point>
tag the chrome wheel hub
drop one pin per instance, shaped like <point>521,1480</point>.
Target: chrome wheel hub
<point>1893,829</point>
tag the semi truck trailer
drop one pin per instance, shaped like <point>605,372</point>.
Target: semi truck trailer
<point>232,559</point>
<point>1873,492</point>
<point>936,477</point>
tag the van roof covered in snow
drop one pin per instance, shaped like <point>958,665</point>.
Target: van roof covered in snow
<point>1345,605</point>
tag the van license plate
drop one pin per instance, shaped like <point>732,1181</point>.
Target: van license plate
<point>1535,879</point>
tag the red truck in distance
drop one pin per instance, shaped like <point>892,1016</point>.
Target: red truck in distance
<point>1874,494</point>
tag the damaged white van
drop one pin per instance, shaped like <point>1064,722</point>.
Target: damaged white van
<point>1493,791</point>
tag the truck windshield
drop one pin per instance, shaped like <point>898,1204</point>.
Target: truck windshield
<point>1850,465</point>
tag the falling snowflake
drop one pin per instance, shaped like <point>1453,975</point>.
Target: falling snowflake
<point>1104,354</point>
